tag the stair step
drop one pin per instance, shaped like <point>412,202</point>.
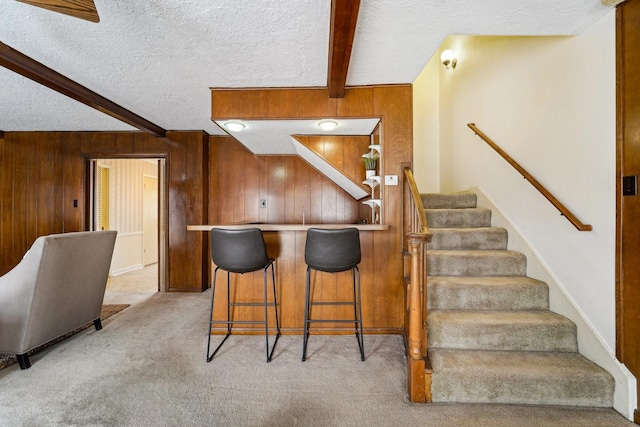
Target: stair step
<point>469,238</point>
<point>449,200</point>
<point>476,263</point>
<point>467,217</point>
<point>492,338</point>
<point>533,378</point>
<point>487,292</point>
<point>511,330</point>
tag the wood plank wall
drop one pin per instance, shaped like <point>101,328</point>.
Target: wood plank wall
<point>381,267</point>
<point>239,180</point>
<point>43,173</point>
<point>342,152</point>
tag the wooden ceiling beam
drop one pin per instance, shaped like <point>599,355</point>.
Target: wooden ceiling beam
<point>34,70</point>
<point>344,16</point>
<point>83,9</point>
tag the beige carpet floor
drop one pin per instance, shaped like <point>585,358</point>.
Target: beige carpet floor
<point>107,311</point>
<point>147,367</point>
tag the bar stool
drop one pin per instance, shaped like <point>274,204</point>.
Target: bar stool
<point>242,251</point>
<point>333,251</point>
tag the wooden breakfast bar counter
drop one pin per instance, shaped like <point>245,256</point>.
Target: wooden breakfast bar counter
<point>381,295</point>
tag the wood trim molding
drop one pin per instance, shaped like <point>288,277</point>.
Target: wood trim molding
<point>83,9</point>
<point>34,70</point>
<point>344,16</point>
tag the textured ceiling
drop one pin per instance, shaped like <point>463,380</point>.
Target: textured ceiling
<point>158,58</point>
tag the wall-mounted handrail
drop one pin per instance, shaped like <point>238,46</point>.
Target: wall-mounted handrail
<point>555,202</point>
<point>418,365</point>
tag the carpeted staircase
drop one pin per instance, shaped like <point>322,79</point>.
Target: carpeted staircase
<point>492,338</point>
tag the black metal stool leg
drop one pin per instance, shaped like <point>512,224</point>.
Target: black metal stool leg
<point>275,300</point>
<point>305,334</point>
<point>266,313</point>
<point>213,293</point>
<point>358,315</point>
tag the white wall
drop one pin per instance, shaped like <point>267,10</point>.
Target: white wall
<point>551,104</point>
<point>125,210</point>
<point>426,150</point>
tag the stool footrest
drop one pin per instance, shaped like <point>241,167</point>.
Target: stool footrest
<point>331,303</point>
<point>237,322</point>
<point>334,320</point>
<point>250,304</point>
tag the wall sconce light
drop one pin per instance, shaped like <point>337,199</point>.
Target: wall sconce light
<point>448,59</point>
<point>328,124</point>
<point>234,126</point>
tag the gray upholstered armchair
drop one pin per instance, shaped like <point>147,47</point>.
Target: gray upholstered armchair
<point>58,286</point>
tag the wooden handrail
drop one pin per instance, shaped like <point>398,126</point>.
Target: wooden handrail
<point>555,202</point>
<point>417,202</point>
<point>418,365</point>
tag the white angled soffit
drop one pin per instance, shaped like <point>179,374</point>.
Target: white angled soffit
<point>274,137</point>
<point>329,171</point>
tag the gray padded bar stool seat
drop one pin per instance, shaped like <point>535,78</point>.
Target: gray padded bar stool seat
<point>333,251</point>
<point>242,251</point>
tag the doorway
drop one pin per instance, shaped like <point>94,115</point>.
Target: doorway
<point>128,195</point>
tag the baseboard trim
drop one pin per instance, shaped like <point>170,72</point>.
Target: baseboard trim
<point>126,269</point>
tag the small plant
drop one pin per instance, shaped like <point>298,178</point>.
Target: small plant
<point>370,161</point>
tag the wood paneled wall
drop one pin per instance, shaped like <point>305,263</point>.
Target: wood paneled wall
<point>239,180</point>
<point>43,173</point>
<point>381,267</point>
<point>342,152</point>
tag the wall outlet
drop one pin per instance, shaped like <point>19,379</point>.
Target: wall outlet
<point>391,180</point>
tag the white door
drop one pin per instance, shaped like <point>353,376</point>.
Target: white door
<point>150,220</point>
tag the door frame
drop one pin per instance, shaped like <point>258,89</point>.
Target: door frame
<point>628,207</point>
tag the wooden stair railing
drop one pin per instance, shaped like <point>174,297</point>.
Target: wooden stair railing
<point>555,202</point>
<point>418,366</point>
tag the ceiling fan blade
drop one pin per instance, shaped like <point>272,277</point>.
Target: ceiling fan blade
<point>83,9</point>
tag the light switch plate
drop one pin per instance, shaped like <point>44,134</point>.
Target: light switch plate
<point>391,180</point>
<point>630,185</point>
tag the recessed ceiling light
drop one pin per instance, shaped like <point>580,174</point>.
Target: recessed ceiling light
<point>234,126</point>
<point>328,124</point>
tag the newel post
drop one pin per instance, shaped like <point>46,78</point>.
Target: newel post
<point>419,385</point>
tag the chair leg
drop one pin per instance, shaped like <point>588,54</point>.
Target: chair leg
<point>305,334</point>
<point>23,361</point>
<point>358,314</point>
<point>213,294</point>
<point>275,301</point>
<point>228,302</point>
<point>266,314</point>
